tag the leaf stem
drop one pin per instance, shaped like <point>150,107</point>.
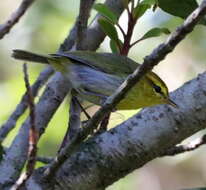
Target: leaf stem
<point>137,41</point>
<point>121,29</point>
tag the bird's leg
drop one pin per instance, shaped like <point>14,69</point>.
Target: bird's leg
<point>83,110</point>
<point>74,93</point>
<point>104,123</point>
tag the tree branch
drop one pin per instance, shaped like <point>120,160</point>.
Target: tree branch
<point>33,136</point>
<point>82,21</point>
<point>74,124</point>
<point>185,148</point>
<point>105,158</point>
<point>14,18</point>
<point>197,188</point>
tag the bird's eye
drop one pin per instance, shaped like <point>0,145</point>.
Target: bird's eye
<point>157,89</point>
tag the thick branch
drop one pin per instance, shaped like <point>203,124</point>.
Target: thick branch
<point>105,158</point>
<point>6,27</point>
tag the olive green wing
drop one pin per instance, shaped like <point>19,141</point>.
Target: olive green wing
<point>106,62</point>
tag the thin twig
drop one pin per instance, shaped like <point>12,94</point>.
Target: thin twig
<point>22,106</point>
<point>14,18</point>
<point>196,188</point>
<point>33,135</point>
<point>185,148</point>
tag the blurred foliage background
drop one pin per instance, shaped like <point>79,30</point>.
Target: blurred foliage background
<point>45,26</point>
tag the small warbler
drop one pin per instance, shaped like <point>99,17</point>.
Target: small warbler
<point>95,76</point>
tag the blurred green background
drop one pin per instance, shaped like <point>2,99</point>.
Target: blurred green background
<point>45,26</point>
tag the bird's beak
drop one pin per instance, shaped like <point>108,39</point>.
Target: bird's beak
<point>173,104</point>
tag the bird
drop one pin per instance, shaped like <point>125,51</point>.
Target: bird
<point>95,76</point>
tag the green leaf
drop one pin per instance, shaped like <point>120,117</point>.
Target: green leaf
<point>180,8</point>
<point>114,47</point>
<point>109,29</point>
<point>155,32</point>
<point>139,10</point>
<point>106,12</point>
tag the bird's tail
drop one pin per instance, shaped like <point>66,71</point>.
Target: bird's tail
<point>29,56</point>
